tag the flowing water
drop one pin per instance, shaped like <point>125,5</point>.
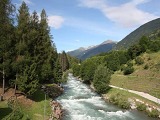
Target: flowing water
<point>81,103</point>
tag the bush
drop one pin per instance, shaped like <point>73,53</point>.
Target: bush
<point>17,115</point>
<point>154,113</point>
<point>141,107</point>
<point>139,61</point>
<point>128,70</point>
<point>101,79</point>
<point>123,103</point>
<point>120,100</point>
<point>146,66</point>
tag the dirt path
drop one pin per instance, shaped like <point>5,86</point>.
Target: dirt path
<point>142,94</point>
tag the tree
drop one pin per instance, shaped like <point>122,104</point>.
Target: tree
<point>144,43</point>
<point>112,60</point>
<point>64,61</point>
<point>6,39</point>
<point>134,51</point>
<point>46,51</point>
<point>101,79</point>
<point>58,72</point>
<point>87,71</point>
<point>76,69</point>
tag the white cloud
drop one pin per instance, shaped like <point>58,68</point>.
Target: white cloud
<point>55,21</point>
<point>87,26</point>
<point>125,15</point>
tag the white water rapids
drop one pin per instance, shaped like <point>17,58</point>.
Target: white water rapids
<point>81,103</point>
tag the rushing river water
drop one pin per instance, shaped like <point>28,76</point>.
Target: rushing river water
<point>81,103</point>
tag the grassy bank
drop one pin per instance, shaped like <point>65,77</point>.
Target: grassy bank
<point>126,99</point>
<point>144,80</point>
<point>30,109</point>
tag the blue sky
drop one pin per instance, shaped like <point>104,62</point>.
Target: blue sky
<point>82,23</point>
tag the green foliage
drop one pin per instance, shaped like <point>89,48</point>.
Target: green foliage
<point>141,107</point>
<point>128,70</point>
<point>154,113</point>
<point>120,100</point>
<point>134,51</point>
<point>58,72</point>
<point>65,75</point>
<point>16,115</point>
<point>87,70</point>
<point>64,61</point>
<point>139,60</point>
<point>27,54</point>
<point>76,69</point>
<point>113,62</point>
<point>102,79</point>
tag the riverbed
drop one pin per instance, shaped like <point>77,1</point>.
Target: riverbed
<point>81,103</point>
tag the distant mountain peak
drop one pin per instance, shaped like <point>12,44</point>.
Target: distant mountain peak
<point>108,41</point>
<point>86,52</point>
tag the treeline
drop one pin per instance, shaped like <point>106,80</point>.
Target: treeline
<point>28,56</point>
<point>98,69</point>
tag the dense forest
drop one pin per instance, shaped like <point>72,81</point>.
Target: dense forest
<point>28,55</point>
<point>98,69</point>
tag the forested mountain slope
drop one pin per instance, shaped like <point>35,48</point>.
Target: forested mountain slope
<point>83,53</point>
<point>134,36</point>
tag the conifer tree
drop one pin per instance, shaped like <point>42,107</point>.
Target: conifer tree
<point>46,52</point>
<point>58,72</point>
<point>64,61</point>
<point>26,71</point>
<point>6,40</point>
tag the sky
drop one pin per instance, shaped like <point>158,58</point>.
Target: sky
<point>82,23</point>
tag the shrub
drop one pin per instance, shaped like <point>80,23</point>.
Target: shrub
<point>101,79</point>
<point>139,61</point>
<point>120,100</point>
<point>123,103</point>
<point>146,66</point>
<point>128,70</point>
<point>17,115</point>
<point>141,107</point>
<point>154,113</point>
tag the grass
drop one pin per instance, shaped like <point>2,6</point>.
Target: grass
<point>4,110</point>
<point>35,111</point>
<point>144,80</point>
<point>143,84</point>
<point>126,95</point>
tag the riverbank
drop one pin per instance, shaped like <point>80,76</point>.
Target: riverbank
<point>129,100</point>
<point>38,107</point>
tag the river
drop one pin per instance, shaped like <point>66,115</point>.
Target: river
<point>81,103</point>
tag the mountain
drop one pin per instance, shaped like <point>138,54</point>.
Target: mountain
<point>146,29</point>
<point>83,53</point>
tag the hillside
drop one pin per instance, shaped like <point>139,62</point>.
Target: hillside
<point>144,79</point>
<point>83,53</point>
<point>134,36</point>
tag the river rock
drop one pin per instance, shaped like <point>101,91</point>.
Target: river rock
<point>57,111</point>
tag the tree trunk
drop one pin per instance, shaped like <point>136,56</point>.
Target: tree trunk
<point>15,85</point>
<point>3,82</point>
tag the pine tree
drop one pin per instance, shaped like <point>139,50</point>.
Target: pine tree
<point>6,40</point>
<point>64,61</point>
<point>46,52</point>
<point>58,72</point>
<point>26,71</point>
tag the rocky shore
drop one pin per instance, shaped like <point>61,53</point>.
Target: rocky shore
<point>54,91</point>
<point>57,111</point>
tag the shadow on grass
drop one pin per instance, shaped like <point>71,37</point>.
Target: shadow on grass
<point>4,112</point>
<point>109,88</point>
<point>38,96</point>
